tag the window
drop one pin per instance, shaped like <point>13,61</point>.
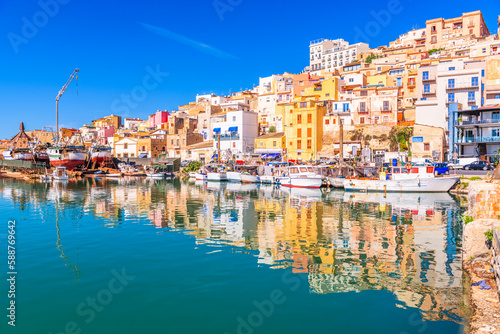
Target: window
<point>334,121</point>
<point>451,68</point>
<point>299,145</point>
<point>362,107</point>
<point>351,79</point>
<point>125,155</point>
<point>496,116</point>
<point>144,148</point>
<point>472,96</point>
<point>427,88</point>
<point>234,118</point>
<point>497,96</point>
<point>299,118</point>
<point>345,107</point>
<point>327,121</point>
<point>425,75</point>
<point>309,118</point>
<point>427,147</point>
<point>172,142</point>
<point>482,71</point>
<point>474,81</point>
<point>309,132</point>
<point>386,106</point>
<point>399,82</point>
<point>177,142</point>
<point>274,143</point>
<point>261,144</point>
<point>119,155</point>
<point>309,144</point>
<point>433,29</point>
<point>451,83</point>
<point>299,132</point>
<point>132,155</point>
<point>361,120</point>
<point>495,132</point>
<point>363,93</point>
<point>234,144</point>
<point>303,105</point>
<point>451,97</point>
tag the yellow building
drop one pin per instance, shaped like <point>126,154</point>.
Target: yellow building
<point>303,122</point>
<point>327,89</point>
<point>271,144</point>
<point>112,120</point>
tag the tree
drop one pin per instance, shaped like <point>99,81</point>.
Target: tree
<point>400,135</point>
<point>272,129</point>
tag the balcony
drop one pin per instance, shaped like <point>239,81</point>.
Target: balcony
<point>228,136</point>
<point>465,140</point>
<point>455,88</point>
<point>430,92</point>
<point>429,78</point>
<point>488,139</point>
<point>480,121</point>
<point>363,111</point>
<point>386,110</point>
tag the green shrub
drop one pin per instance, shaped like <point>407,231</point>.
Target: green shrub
<point>193,166</point>
<point>475,178</point>
<point>489,235</point>
<point>467,219</point>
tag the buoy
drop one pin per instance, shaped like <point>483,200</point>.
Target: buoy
<point>408,166</point>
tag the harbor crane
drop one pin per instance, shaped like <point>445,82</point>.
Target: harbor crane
<point>61,92</point>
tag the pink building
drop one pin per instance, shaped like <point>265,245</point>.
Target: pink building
<point>104,133</point>
<point>158,118</point>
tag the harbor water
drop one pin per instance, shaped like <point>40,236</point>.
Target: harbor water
<point>141,256</point>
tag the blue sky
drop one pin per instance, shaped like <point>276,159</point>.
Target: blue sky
<point>136,57</point>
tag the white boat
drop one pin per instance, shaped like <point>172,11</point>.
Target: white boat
<point>301,177</point>
<point>200,176</point>
<point>266,179</point>
<point>60,174</point>
<point>403,179</point>
<point>216,176</point>
<point>112,175</point>
<point>45,178</point>
<point>18,154</point>
<point>216,173</point>
<point>233,176</point>
<point>244,173</point>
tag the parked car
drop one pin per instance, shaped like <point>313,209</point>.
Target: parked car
<point>460,163</point>
<point>484,165</point>
<point>441,168</point>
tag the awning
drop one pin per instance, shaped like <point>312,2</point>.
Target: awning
<point>216,129</point>
<point>214,156</point>
<point>233,129</point>
<point>263,156</point>
<point>143,155</point>
<point>273,155</point>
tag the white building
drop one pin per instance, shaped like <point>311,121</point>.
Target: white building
<point>266,107</point>
<point>126,148</point>
<point>236,131</point>
<point>456,81</point>
<point>132,123</point>
<point>328,55</point>
<point>214,100</point>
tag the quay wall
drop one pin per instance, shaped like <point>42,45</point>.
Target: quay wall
<point>481,257</point>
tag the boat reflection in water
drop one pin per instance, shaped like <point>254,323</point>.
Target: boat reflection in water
<point>408,244</point>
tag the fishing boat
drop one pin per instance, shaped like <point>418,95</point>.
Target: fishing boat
<point>216,173</point>
<point>100,154</point>
<point>159,172</point>
<point>67,156</point>
<point>18,154</point>
<point>60,174</point>
<point>301,177</point>
<point>244,173</point>
<point>200,176</point>
<point>404,179</point>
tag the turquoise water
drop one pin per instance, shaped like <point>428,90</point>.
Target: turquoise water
<point>139,256</point>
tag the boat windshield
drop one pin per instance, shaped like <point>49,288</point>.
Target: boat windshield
<point>309,169</point>
<point>294,170</point>
<point>303,169</point>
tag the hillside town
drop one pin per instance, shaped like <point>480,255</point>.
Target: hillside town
<point>433,93</point>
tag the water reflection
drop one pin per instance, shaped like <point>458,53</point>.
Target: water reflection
<point>408,244</point>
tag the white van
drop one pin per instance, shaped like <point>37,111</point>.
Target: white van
<point>461,162</point>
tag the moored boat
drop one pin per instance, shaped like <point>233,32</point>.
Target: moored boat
<point>404,179</point>
<point>67,156</point>
<point>301,177</point>
<point>100,154</point>
<point>18,154</point>
<point>60,174</point>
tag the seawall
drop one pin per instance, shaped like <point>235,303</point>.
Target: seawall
<point>481,255</point>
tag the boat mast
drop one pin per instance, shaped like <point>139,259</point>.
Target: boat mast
<point>61,92</point>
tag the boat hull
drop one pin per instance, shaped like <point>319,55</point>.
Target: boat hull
<point>70,160</point>
<point>200,177</point>
<point>217,177</point>
<point>100,156</point>
<point>301,182</point>
<point>438,184</point>
<point>249,178</point>
<point>233,176</point>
